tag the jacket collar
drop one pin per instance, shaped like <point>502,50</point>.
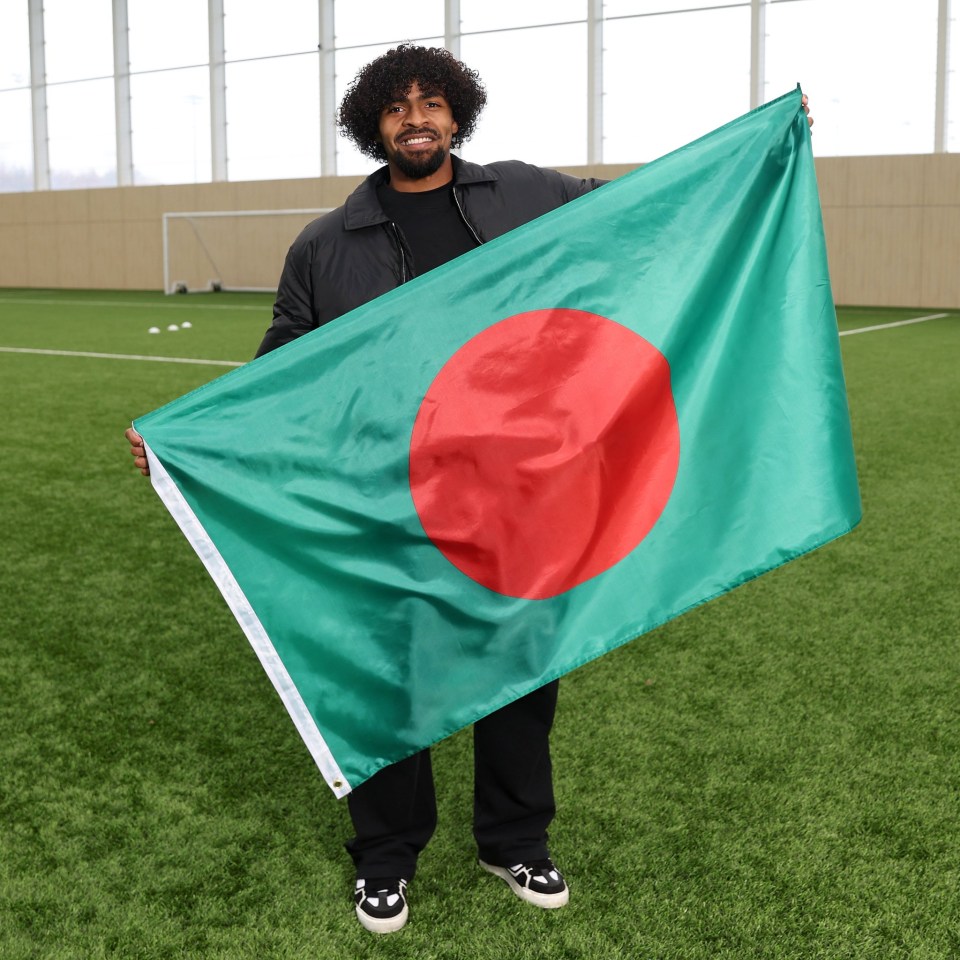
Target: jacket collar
<point>362,208</point>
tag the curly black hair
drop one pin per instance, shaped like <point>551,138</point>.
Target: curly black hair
<point>391,75</point>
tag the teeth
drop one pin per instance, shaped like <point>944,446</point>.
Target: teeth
<point>419,140</point>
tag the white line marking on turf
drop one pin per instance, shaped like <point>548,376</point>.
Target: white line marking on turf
<point>130,303</point>
<point>239,363</point>
<point>895,323</point>
<point>122,356</point>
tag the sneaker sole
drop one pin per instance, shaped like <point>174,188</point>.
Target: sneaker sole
<point>547,901</point>
<point>387,925</point>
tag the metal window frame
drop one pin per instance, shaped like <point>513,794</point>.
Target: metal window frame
<point>758,45</point>
<point>328,89</point>
<point>121,93</point>
<point>327,47</point>
<point>218,92</point>
<point>38,97</point>
<point>942,117</point>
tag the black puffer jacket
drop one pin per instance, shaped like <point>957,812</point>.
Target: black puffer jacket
<point>355,253</point>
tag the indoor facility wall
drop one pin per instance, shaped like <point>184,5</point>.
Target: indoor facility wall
<point>892,226</point>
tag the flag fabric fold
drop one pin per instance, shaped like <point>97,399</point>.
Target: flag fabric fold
<point>530,455</point>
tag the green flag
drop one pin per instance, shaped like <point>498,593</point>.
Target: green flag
<point>531,455</point>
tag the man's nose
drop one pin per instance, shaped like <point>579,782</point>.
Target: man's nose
<point>415,116</point>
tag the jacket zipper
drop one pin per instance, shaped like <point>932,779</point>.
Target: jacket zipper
<point>463,216</point>
<point>403,256</point>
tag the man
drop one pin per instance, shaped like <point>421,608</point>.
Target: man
<point>409,108</point>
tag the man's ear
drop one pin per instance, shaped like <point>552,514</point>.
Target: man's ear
<point>455,126</point>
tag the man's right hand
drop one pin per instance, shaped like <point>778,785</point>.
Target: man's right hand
<point>137,451</point>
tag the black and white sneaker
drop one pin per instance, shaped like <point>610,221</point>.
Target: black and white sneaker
<point>381,903</point>
<point>538,882</point>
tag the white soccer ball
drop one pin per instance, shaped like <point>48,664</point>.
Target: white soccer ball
<point>173,328</point>
<point>154,330</point>
<point>186,325</point>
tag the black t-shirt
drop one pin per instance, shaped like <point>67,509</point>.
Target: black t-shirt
<point>430,223</point>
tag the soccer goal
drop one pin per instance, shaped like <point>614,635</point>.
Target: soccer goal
<point>228,249</point>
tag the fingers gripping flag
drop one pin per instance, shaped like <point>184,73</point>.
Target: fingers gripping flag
<point>531,455</point>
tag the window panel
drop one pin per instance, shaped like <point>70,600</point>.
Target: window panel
<point>478,15</point>
<point>254,29</point>
<point>672,71</point>
<point>16,141</point>
<point>273,118</point>
<point>953,81</point>
<point>79,39</point>
<point>14,46</point>
<point>376,21</point>
<point>82,130</point>
<point>870,73</point>
<point>170,116</point>
<point>668,80</point>
<point>168,34</point>
<point>627,8</point>
<point>538,115</point>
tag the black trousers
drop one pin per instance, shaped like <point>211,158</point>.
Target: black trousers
<point>394,813</point>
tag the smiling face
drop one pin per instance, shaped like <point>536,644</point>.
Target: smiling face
<point>416,132</point>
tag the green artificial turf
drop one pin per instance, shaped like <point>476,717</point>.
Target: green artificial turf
<point>773,775</point>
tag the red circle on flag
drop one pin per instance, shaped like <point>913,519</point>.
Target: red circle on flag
<point>544,451</point>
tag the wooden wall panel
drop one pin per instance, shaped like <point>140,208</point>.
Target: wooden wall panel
<point>941,182</point>
<point>215,196</point>
<point>334,190</point>
<point>278,195</point>
<point>143,203</point>
<point>105,205</point>
<point>142,255</point>
<point>262,259</point>
<point>73,255</point>
<point>609,171</point>
<point>892,225</point>
<point>832,180</point>
<point>41,207</point>
<point>13,254</point>
<point>43,261</point>
<point>13,207</point>
<point>72,206</point>
<point>885,181</point>
<point>883,263</point>
<point>838,245</point>
<point>107,252</point>
<point>940,283</point>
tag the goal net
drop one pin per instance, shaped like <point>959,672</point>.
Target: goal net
<point>228,249</point>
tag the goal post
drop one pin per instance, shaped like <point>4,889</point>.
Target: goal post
<point>239,250</point>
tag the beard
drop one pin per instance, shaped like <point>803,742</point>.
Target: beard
<point>421,165</point>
